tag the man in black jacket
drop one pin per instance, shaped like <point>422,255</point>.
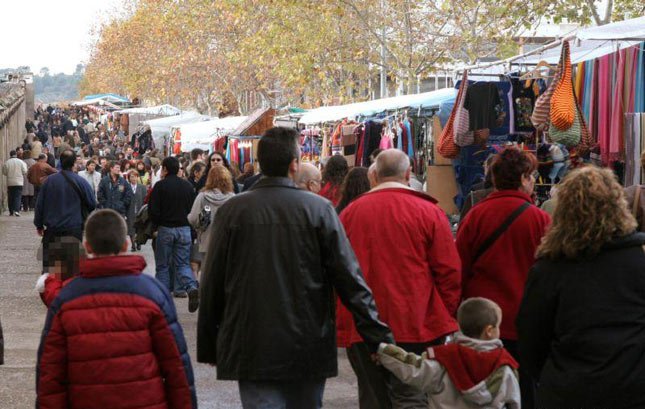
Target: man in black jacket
<point>170,202</point>
<point>277,257</point>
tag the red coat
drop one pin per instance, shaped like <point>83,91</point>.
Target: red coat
<point>404,245</point>
<point>501,272</point>
<point>112,340</point>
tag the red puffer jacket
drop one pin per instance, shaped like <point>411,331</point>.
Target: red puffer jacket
<point>112,340</point>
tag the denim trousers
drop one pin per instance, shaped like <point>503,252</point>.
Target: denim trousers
<point>15,198</point>
<point>282,394</point>
<point>172,247</point>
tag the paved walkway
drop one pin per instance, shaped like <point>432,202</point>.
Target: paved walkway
<point>22,315</point>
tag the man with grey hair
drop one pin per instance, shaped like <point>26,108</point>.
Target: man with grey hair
<point>308,178</point>
<point>405,248</point>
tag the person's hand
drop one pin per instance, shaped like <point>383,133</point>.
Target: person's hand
<point>375,359</point>
<point>40,232</point>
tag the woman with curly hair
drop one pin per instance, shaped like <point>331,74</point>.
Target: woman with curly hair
<point>355,184</point>
<point>582,320</point>
<point>497,242</point>
<point>333,175</point>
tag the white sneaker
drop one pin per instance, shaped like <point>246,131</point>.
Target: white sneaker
<point>17,214</point>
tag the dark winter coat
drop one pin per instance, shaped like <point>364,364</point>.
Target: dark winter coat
<point>136,203</point>
<point>116,196</point>
<point>581,328</point>
<point>267,305</point>
<point>112,340</point>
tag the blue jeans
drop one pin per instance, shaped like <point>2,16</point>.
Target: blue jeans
<point>282,394</point>
<point>173,247</point>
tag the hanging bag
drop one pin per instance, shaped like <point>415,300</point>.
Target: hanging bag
<point>563,101</point>
<point>568,137</point>
<point>446,146</point>
<point>540,116</point>
<point>586,140</point>
<point>462,134</point>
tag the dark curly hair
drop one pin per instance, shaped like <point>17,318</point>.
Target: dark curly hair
<point>355,184</point>
<point>335,170</point>
<point>509,167</point>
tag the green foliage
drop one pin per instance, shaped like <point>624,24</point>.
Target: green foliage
<point>57,87</point>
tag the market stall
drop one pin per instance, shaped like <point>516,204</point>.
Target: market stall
<point>204,135</point>
<point>580,98</point>
<point>138,115</point>
<point>161,127</point>
<point>404,122</point>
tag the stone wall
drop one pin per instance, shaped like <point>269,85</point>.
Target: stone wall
<point>12,126</point>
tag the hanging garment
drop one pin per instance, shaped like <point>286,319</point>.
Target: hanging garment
<point>616,142</point>
<point>523,101</point>
<point>408,128</point>
<point>482,101</point>
<point>603,111</point>
<point>639,80</point>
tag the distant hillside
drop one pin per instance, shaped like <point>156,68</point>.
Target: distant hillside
<point>54,88</point>
<point>58,87</point>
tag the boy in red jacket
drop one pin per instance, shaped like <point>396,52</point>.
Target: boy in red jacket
<point>473,371</point>
<point>111,338</point>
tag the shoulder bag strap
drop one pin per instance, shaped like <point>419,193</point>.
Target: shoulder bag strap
<point>501,229</point>
<point>77,190</point>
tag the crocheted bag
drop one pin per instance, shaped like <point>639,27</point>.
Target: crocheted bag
<point>462,134</point>
<point>568,137</point>
<point>446,146</point>
<point>563,101</point>
<point>540,116</point>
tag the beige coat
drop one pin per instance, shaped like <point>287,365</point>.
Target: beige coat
<point>15,170</point>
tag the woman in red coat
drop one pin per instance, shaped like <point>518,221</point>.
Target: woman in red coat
<point>496,266</point>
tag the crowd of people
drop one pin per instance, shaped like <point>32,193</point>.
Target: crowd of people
<point>522,308</point>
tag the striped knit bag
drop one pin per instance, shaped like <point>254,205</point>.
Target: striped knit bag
<point>463,135</point>
<point>540,115</point>
<point>563,102</point>
<point>446,145</point>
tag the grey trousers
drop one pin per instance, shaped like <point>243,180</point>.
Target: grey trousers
<point>282,394</point>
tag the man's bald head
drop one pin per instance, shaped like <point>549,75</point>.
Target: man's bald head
<point>308,177</point>
<point>392,165</point>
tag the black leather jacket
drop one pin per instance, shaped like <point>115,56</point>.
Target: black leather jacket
<point>277,258</point>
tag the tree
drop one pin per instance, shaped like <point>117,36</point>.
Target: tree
<point>44,72</point>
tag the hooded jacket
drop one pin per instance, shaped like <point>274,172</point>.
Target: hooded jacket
<point>466,374</point>
<point>214,199</point>
<point>112,340</point>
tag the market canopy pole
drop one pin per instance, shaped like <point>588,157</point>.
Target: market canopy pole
<point>509,60</point>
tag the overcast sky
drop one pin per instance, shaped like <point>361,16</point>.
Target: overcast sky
<point>49,33</point>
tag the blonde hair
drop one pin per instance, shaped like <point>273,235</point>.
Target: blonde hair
<point>219,178</point>
<point>591,210</point>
